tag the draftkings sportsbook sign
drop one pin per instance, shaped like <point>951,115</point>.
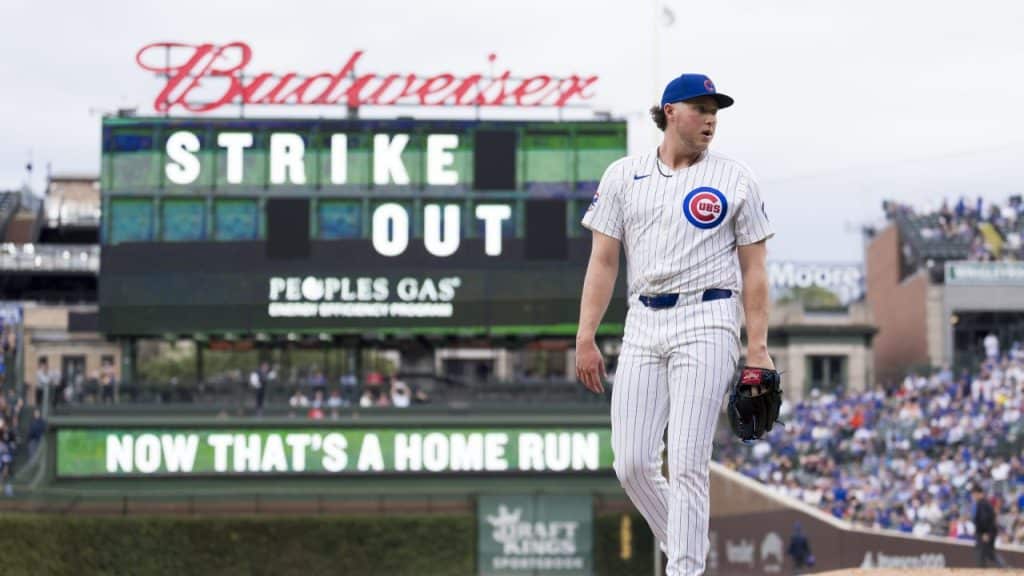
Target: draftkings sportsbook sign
<point>535,535</point>
<point>83,453</point>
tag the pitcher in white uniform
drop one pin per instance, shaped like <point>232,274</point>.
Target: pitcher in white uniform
<point>691,222</point>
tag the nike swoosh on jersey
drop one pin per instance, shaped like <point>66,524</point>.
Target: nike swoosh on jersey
<point>639,177</point>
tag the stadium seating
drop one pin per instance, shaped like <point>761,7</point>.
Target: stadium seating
<point>903,458</point>
<point>965,232</point>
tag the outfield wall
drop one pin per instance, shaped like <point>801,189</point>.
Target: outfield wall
<point>749,531</point>
<point>751,527</point>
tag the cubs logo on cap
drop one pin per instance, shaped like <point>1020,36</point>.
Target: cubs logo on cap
<point>690,86</point>
<point>705,207</point>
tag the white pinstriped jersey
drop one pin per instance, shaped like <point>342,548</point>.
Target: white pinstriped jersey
<point>679,228</point>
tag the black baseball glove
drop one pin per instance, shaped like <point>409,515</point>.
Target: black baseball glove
<point>754,403</point>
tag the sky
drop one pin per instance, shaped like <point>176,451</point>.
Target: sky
<point>839,104</point>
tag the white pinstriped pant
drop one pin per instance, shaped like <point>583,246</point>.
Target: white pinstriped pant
<point>675,367</point>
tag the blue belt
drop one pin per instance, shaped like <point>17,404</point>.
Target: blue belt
<point>669,300</point>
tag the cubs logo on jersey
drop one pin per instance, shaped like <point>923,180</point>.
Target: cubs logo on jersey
<point>705,207</point>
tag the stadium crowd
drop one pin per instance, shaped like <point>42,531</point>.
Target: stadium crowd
<point>10,440</point>
<point>374,391</point>
<point>993,231</point>
<point>8,351</point>
<point>904,457</point>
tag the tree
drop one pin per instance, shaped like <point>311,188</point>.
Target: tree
<point>811,297</point>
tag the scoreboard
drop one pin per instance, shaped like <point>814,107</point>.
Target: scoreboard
<point>340,226</point>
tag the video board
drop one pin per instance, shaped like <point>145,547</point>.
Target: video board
<point>244,225</point>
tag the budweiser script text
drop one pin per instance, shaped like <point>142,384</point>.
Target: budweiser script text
<point>204,77</point>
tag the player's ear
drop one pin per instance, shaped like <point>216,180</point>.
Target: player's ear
<point>666,113</point>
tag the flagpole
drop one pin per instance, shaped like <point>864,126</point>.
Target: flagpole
<point>655,62</point>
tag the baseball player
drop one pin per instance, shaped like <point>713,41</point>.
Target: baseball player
<point>685,217</point>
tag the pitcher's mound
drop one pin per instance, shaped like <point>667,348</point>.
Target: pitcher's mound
<point>923,572</point>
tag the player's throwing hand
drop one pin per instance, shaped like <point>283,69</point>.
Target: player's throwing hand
<point>590,366</point>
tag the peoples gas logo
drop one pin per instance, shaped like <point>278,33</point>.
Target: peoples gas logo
<point>362,297</point>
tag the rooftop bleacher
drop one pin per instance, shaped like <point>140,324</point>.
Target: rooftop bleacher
<point>964,231</point>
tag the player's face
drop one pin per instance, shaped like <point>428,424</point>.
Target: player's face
<point>693,121</point>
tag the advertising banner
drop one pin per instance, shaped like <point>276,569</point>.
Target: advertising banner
<point>816,284</point>
<point>83,453</point>
<point>991,273</point>
<point>535,535</point>
<point>759,544</point>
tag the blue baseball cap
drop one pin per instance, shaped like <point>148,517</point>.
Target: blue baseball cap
<point>689,86</point>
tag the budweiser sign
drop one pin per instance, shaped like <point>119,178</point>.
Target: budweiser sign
<point>205,77</point>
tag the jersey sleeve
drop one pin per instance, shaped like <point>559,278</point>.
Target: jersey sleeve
<point>605,212</point>
<point>752,224</point>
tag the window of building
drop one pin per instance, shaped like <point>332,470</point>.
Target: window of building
<point>971,328</point>
<point>827,373</point>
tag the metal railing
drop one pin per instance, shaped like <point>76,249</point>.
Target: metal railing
<point>49,258</point>
<point>61,213</point>
<point>235,396</point>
